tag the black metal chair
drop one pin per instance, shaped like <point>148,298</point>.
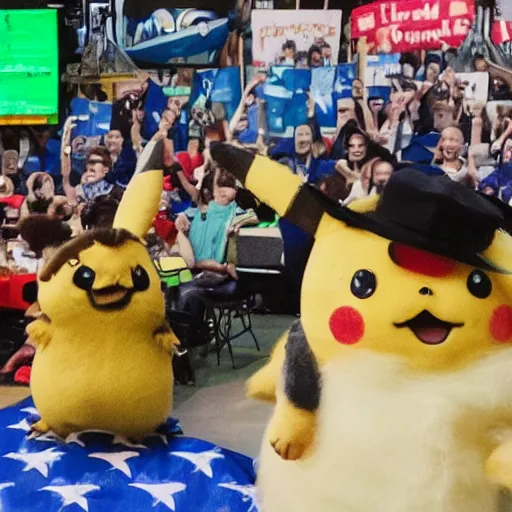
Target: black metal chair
<point>224,306</point>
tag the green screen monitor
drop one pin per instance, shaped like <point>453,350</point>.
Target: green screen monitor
<point>29,67</point>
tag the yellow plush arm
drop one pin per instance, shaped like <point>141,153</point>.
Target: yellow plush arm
<point>166,338</point>
<point>40,332</point>
<point>262,385</point>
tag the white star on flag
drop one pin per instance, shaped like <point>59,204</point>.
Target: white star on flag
<point>22,425</point>
<point>75,438</point>
<point>72,494</point>
<point>202,461</point>
<point>163,493</point>
<point>117,460</point>
<point>248,492</point>
<point>31,410</point>
<point>37,460</point>
<point>125,442</point>
<point>6,485</point>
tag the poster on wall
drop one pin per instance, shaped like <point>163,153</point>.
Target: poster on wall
<point>408,25</point>
<point>172,36</point>
<point>286,37</point>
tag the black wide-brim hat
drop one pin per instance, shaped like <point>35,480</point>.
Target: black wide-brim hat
<point>432,213</point>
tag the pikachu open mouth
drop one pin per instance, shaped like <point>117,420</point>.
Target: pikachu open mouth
<point>111,297</point>
<point>428,328</point>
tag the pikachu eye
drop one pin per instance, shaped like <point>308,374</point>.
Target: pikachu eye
<point>140,279</point>
<point>479,284</point>
<point>364,284</point>
<point>84,278</point>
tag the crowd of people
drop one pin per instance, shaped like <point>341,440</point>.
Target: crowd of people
<point>431,120</point>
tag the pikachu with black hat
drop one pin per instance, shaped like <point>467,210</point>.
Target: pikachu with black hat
<point>394,390</point>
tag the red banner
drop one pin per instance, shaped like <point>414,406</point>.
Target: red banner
<point>502,32</point>
<point>407,25</point>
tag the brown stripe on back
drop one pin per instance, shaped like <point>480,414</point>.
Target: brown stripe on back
<point>306,210</point>
<point>72,249</point>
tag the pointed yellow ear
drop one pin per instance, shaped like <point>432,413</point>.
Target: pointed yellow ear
<point>141,199</point>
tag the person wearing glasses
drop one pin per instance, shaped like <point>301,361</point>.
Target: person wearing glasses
<point>93,182</point>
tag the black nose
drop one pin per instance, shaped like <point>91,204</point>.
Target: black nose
<point>426,291</point>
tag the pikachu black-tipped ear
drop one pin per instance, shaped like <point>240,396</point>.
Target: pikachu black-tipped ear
<point>141,199</point>
<point>273,184</point>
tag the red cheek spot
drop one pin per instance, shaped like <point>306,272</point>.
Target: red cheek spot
<point>347,325</point>
<point>501,324</point>
<point>421,262</point>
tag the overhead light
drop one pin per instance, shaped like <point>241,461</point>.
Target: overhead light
<point>55,6</point>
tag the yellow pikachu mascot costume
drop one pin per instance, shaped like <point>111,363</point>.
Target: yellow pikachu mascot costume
<point>104,350</point>
<point>394,391</point>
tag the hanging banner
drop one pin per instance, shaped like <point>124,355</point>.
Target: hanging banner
<point>287,37</point>
<point>501,32</point>
<point>408,25</point>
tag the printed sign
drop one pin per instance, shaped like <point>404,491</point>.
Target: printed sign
<point>407,25</point>
<point>285,36</point>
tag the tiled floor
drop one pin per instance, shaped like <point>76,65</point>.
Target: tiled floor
<point>216,409</point>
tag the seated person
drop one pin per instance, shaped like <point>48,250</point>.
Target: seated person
<point>202,242</point>
<point>205,246</point>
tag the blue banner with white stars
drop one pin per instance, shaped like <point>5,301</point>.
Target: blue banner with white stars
<point>99,472</point>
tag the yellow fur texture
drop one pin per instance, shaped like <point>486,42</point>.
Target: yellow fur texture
<point>391,439</point>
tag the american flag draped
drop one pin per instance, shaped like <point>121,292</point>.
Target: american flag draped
<point>100,472</point>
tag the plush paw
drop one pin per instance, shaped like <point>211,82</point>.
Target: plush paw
<point>166,339</point>
<point>292,432</point>
<point>39,332</point>
<point>40,427</point>
<point>498,467</point>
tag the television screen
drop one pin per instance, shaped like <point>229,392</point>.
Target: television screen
<point>29,67</point>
